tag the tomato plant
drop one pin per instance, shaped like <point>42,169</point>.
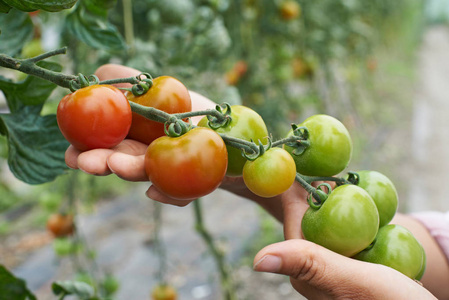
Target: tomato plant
<point>270,174</point>
<point>247,125</point>
<point>97,116</point>
<point>189,166</point>
<point>167,94</point>
<point>396,247</point>
<point>164,292</point>
<point>383,192</point>
<point>61,225</point>
<point>346,222</point>
<point>330,147</point>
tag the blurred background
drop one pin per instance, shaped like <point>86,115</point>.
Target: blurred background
<point>379,66</point>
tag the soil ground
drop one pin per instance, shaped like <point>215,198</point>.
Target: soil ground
<point>119,228</point>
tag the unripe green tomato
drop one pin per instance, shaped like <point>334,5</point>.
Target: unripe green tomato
<point>383,192</point>
<point>330,147</point>
<point>396,247</point>
<point>270,174</point>
<point>247,125</point>
<point>347,221</point>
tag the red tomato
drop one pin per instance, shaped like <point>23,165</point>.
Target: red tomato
<point>187,167</point>
<point>167,94</point>
<point>97,116</point>
<point>60,225</point>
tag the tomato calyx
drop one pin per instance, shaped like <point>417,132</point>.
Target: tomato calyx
<point>300,139</point>
<point>175,127</point>
<point>261,150</point>
<point>317,199</point>
<point>353,177</point>
<point>222,119</point>
<point>83,81</point>
<point>144,83</point>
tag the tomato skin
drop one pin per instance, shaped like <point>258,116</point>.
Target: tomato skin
<point>346,223</point>
<point>246,124</point>
<point>61,225</point>
<point>164,292</point>
<point>167,94</point>
<point>396,247</point>
<point>187,167</point>
<point>290,10</point>
<point>270,174</point>
<point>383,192</point>
<point>330,147</point>
<point>97,116</point>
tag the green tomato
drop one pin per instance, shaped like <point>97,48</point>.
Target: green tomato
<point>396,247</point>
<point>330,148</point>
<point>246,124</point>
<point>383,192</point>
<point>270,174</point>
<point>346,222</point>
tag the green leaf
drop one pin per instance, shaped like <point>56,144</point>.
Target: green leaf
<point>13,288</point>
<point>94,30</point>
<point>36,146</point>
<point>17,29</point>
<point>31,91</point>
<point>99,7</point>
<point>48,5</point>
<point>78,288</point>
<point>4,8</point>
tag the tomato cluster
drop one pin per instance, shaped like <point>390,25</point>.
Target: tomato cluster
<point>186,163</point>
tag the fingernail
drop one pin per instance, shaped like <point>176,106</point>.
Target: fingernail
<point>268,263</point>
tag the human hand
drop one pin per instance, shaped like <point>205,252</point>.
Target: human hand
<point>318,273</point>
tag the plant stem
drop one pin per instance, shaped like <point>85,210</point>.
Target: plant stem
<point>309,189</point>
<point>216,253</point>
<point>28,66</point>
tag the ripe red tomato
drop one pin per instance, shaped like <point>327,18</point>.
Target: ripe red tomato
<point>97,116</point>
<point>187,167</point>
<point>60,225</point>
<point>167,94</point>
<point>270,174</point>
<point>164,292</point>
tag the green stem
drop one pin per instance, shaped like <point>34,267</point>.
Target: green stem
<point>128,24</point>
<point>131,80</point>
<point>337,180</point>
<point>28,66</point>
<point>309,188</point>
<point>216,253</point>
<point>212,112</point>
<point>291,139</point>
<point>150,113</point>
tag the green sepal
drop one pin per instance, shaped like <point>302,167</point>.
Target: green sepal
<point>214,122</point>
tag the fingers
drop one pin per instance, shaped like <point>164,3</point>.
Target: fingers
<point>155,194</point>
<point>318,273</point>
<point>112,71</point>
<point>294,206</point>
<point>126,160</point>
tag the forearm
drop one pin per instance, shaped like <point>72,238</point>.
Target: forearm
<point>436,276</point>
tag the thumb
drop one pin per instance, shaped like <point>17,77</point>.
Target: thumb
<point>318,273</point>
